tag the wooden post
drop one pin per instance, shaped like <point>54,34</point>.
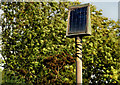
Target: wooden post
<point>78,41</point>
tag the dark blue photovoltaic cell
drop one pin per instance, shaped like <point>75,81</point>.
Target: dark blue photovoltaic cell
<point>78,20</point>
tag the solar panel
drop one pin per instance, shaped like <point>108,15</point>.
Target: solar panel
<point>78,20</point>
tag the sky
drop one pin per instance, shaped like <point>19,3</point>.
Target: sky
<point>109,7</point>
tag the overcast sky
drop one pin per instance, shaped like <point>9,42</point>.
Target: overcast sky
<point>110,9</point>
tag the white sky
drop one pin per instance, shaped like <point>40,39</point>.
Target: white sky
<point>98,0</point>
<point>110,9</point>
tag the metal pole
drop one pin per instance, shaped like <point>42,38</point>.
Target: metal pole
<point>78,41</point>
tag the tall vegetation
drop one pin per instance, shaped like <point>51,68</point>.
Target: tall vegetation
<point>36,50</point>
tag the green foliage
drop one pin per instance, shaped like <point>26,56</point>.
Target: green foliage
<point>33,30</point>
<point>36,50</point>
<point>0,76</point>
<point>9,77</point>
<point>101,51</point>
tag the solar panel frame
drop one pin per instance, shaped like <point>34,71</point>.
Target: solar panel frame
<point>87,29</point>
